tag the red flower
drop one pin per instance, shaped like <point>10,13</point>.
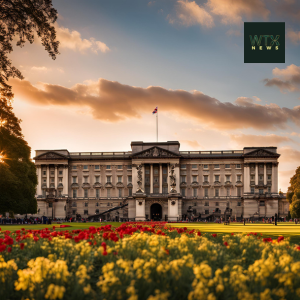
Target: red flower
<point>232,233</point>
<point>225,244</point>
<point>198,233</point>
<point>267,240</point>
<point>9,249</point>
<point>35,238</point>
<point>115,253</point>
<point>104,246</point>
<point>167,251</point>
<point>104,253</point>
<point>214,235</point>
<point>90,243</point>
<point>76,239</point>
<point>298,248</point>
<point>2,248</point>
<point>22,246</point>
<point>280,238</point>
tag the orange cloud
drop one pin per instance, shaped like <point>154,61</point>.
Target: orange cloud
<point>112,101</point>
<point>193,144</point>
<point>244,140</point>
<point>294,36</point>
<point>289,155</point>
<point>287,79</point>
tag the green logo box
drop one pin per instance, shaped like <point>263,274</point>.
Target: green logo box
<point>264,42</point>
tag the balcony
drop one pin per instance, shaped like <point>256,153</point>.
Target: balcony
<point>74,185</point>
<point>97,185</point>
<point>206,183</point>
<point>217,183</point>
<point>228,183</point>
<point>195,184</point>
<point>239,183</point>
<point>119,184</point>
<point>108,185</point>
<point>86,185</point>
<point>183,184</point>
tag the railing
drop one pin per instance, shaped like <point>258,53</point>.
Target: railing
<point>212,152</point>
<point>100,153</point>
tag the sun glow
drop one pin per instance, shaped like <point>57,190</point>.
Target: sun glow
<point>2,157</point>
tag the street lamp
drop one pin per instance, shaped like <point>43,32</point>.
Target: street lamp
<point>2,157</point>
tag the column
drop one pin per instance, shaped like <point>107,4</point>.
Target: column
<point>256,174</point>
<point>55,177</point>
<point>168,179</point>
<point>151,178</point>
<point>160,178</point>
<point>134,179</point>
<point>274,188</point>
<point>246,178</point>
<point>177,174</point>
<point>48,176</point>
<point>143,177</point>
<point>39,177</point>
<point>265,173</point>
<point>65,180</point>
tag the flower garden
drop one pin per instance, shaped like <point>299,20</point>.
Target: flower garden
<point>146,261</point>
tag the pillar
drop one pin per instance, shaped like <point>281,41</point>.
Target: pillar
<point>55,177</point>
<point>168,180</point>
<point>160,178</point>
<point>246,178</point>
<point>177,174</point>
<point>39,177</point>
<point>274,188</point>
<point>48,176</point>
<point>265,173</point>
<point>65,180</point>
<point>151,178</point>
<point>256,174</point>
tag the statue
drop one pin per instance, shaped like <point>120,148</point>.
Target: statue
<point>139,177</point>
<point>173,180</point>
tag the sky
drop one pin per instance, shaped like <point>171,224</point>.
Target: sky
<point>120,59</point>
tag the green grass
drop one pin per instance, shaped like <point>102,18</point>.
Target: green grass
<point>268,230</point>
<point>290,230</point>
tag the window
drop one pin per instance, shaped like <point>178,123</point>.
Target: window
<point>238,166</point>
<point>261,203</point>
<point>119,178</point>
<point>147,171</point>
<point>195,192</point>
<point>108,179</point>
<point>205,192</point>
<point>108,193</point>
<point>239,192</point>
<point>155,170</point>
<point>238,177</point>
<point>85,212</point>
<point>60,172</point>
<point>205,178</point>
<point>74,167</point>
<point>217,177</point>
<point>74,204</point>
<point>239,204</point>
<point>216,166</point>
<point>97,211</point>
<point>155,190</point>
<point>44,172</point>
<point>86,193</point>
<point>44,180</point>
<point>261,191</point>
<point>97,193</point>
<point>97,167</point>
<point>205,166</point>
<point>120,193</point>
<point>52,172</point>
<point>227,166</point>
<point>165,190</point>
<point>129,167</point>
<point>130,192</point>
<point>165,171</point>
<point>216,192</point>
<point>97,179</point>
<point>183,192</point>
<point>156,179</point>
<point>129,179</point>
<point>119,167</point>
<point>74,211</point>
<point>60,179</point>
<point>194,166</point>
<point>260,177</point>
<point>85,167</point>
<point>108,204</point>
<point>217,203</point>
<point>269,189</point>
<point>206,203</point>
<point>86,179</point>
<point>165,179</point>
<point>227,177</point>
<point>194,178</point>
<point>252,177</point>
<point>52,179</point>
<point>86,204</point>
<point>74,179</point>
<point>97,203</point>
<point>206,211</point>
<point>252,190</point>
<point>74,193</point>
<point>269,177</point>
<point>59,193</point>
<point>261,166</point>
<point>182,166</point>
<point>108,167</point>
<point>228,191</point>
<point>182,178</point>
<point>50,204</point>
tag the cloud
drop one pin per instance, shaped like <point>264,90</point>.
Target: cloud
<point>190,13</point>
<point>40,69</point>
<point>193,144</point>
<point>285,177</point>
<point>247,140</point>
<point>287,79</point>
<point>234,32</point>
<point>289,154</point>
<point>294,36</point>
<point>72,40</point>
<point>232,11</point>
<point>112,101</point>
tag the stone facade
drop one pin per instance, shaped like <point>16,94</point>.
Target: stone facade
<point>158,181</point>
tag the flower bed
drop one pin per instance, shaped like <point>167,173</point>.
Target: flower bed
<point>146,261</point>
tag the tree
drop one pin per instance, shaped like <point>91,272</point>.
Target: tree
<point>293,194</point>
<point>18,180</point>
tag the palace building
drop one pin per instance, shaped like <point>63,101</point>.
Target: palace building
<point>159,182</point>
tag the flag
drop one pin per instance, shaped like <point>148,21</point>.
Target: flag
<point>155,110</point>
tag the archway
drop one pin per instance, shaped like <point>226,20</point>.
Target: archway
<point>156,212</point>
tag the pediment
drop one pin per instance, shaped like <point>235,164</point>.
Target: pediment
<point>154,152</point>
<point>50,156</point>
<point>261,153</point>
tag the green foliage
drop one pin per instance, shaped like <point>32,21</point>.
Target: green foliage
<point>295,209</point>
<point>293,194</point>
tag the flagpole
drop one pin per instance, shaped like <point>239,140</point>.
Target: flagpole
<point>157,127</point>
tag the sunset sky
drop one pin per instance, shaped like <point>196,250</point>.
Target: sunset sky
<point>120,59</point>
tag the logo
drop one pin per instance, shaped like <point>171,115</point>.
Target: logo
<point>264,42</point>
